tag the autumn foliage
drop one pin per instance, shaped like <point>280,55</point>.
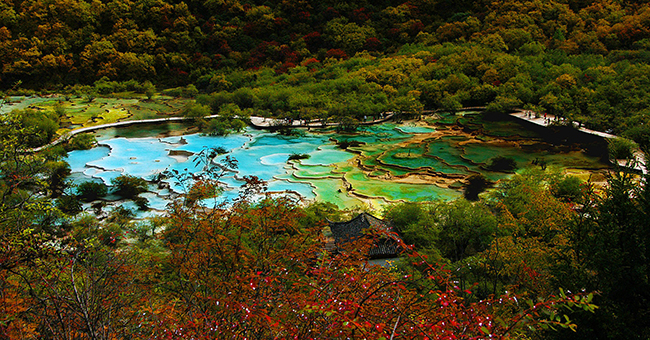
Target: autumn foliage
<point>254,271</point>
<point>251,270</point>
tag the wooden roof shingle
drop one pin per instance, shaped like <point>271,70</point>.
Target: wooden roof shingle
<point>359,226</point>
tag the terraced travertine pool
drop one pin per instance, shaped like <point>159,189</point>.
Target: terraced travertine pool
<point>418,161</point>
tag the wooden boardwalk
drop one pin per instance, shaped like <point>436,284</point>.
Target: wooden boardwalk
<point>66,136</point>
<point>531,116</point>
<point>267,123</point>
<point>257,122</point>
<point>638,163</point>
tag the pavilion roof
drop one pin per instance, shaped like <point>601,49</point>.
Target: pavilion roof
<point>359,226</point>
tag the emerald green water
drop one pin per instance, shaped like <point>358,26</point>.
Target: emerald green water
<point>394,191</point>
<point>447,150</point>
<point>420,161</point>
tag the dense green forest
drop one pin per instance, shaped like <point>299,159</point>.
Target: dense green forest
<point>540,256</point>
<point>584,60</point>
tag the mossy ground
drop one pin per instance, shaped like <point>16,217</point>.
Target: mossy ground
<point>80,112</point>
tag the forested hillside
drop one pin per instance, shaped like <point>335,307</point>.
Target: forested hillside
<point>585,60</point>
<point>541,255</point>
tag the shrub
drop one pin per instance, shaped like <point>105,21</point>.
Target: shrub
<point>475,185</point>
<point>90,191</point>
<point>641,135</point>
<point>349,143</point>
<point>621,148</point>
<point>98,207</point>
<point>217,127</point>
<point>141,202</point>
<point>286,131</point>
<point>503,104</point>
<point>186,92</point>
<point>190,91</point>
<point>69,204</point>
<point>202,190</point>
<point>196,111</point>
<point>40,127</point>
<point>56,172</point>
<point>238,125</point>
<point>502,163</point>
<point>347,124</point>
<point>59,110</point>
<point>149,89</point>
<point>220,150</point>
<point>129,186</point>
<point>414,223</point>
<point>298,156</point>
<point>568,188</point>
<point>173,92</point>
<point>83,141</point>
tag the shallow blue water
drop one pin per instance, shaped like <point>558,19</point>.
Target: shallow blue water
<point>257,153</point>
<point>78,158</point>
<point>325,175</point>
<point>327,155</point>
<point>140,157</point>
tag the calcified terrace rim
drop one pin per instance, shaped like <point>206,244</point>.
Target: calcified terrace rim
<point>367,161</point>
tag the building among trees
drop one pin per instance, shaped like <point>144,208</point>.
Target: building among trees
<point>383,235</point>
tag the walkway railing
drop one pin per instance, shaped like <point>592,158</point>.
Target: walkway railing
<point>263,123</point>
<point>66,136</point>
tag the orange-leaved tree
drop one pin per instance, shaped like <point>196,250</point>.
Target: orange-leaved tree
<point>83,291</point>
<point>252,270</point>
